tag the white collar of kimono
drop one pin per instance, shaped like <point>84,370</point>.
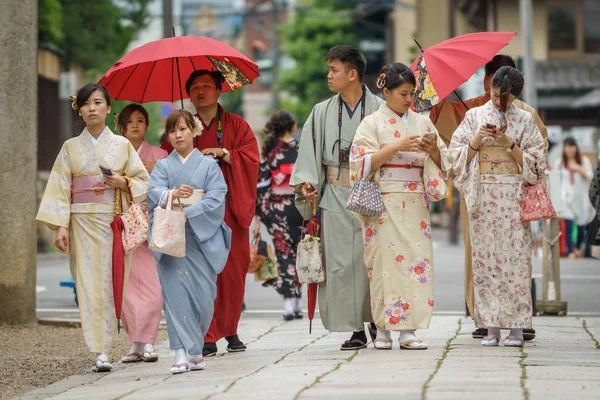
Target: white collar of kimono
<point>92,138</point>
<point>389,111</point>
<point>184,159</point>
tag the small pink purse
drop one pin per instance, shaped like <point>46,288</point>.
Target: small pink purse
<point>536,204</point>
<point>135,224</point>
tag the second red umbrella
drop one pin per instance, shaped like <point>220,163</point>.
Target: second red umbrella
<point>443,67</point>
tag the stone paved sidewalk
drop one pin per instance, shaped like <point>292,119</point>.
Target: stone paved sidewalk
<point>284,362</point>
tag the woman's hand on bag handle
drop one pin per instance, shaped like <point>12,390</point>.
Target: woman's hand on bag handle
<point>61,239</point>
<point>308,191</point>
<point>184,192</point>
<point>409,144</point>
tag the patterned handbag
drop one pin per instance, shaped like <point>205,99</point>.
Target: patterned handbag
<point>536,203</point>
<point>268,270</point>
<point>168,230</point>
<point>258,254</point>
<point>309,264</point>
<point>135,222</point>
<point>365,197</point>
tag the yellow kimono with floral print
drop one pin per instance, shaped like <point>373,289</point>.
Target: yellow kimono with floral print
<point>90,234</point>
<point>398,246</point>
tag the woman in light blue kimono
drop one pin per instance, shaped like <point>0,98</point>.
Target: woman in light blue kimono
<point>189,283</point>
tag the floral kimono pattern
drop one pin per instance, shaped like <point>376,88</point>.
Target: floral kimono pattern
<point>275,205</point>
<point>501,243</point>
<point>397,244</point>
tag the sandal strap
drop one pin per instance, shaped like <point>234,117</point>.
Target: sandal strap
<point>411,341</point>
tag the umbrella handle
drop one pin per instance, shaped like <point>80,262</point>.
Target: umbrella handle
<point>118,201</point>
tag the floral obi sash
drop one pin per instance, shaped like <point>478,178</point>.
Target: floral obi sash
<point>496,161</point>
<point>91,189</point>
<point>404,166</point>
<point>280,180</point>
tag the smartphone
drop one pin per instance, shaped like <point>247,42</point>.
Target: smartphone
<point>490,126</point>
<point>430,135</point>
<point>106,171</point>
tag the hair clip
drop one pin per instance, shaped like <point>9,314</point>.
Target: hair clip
<point>116,121</point>
<point>199,127</point>
<point>73,102</point>
<point>381,80</point>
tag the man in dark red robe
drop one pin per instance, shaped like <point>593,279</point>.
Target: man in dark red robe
<point>228,138</point>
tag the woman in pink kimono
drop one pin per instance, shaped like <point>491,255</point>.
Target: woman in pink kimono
<point>497,150</point>
<point>142,305</point>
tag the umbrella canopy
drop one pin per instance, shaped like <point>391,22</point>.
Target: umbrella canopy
<point>441,68</point>
<point>157,71</point>
<point>118,260</point>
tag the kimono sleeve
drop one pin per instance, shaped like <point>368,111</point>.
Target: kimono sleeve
<point>445,158</point>
<point>308,166</point>
<point>206,217</point>
<point>594,191</point>
<point>137,174</point>
<point>365,143</point>
<point>263,189</point>
<point>55,208</point>
<point>243,175</point>
<point>466,174</point>
<point>532,145</point>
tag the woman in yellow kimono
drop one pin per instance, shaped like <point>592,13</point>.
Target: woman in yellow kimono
<point>79,204</point>
<point>496,150</point>
<point>397,146</point>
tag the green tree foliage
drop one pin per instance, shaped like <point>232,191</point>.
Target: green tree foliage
<point>98,33</point>
<point>316,27</point>
<point>50,22</point>
<point>92,34</point>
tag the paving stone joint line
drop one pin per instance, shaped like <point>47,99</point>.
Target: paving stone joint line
<point>441,360</point>
<point>591,335</point>
<point>523,379</point>
<point>318,378</point>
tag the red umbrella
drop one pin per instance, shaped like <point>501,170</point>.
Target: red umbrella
<point>313,227</point>
<point>118,260</point>
<point>157,71</point>
<point>441,68</point>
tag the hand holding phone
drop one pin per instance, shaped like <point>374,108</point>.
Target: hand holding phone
<point>430,135</point>
<point>105,171</point>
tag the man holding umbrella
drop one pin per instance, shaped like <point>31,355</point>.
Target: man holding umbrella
<point>229,139</point>
<point>447,116</point>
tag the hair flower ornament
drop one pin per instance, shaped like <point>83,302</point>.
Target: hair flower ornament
<point>381,80</point>
<point>116,121</point>
<point>199,128</point>
<point>74,102</point>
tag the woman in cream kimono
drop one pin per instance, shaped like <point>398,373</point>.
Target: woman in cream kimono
<point>496,150</point>
<point>398,146</point>
<point>79,204</point>
<point>142,304</point>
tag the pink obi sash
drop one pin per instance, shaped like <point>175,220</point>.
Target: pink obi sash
<point>91,189</point>
<point>405,167</point>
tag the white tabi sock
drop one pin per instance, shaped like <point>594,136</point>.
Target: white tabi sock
<point>137,348</point>
<point>287,307</point>
<point>383,334</point>
<point>516,333</point>
<point>102,357</point>
<point>296,303</point>
<point>180,356</point>
<point>494,331</point>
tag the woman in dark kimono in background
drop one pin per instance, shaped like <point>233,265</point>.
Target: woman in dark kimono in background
<point>275,206</point>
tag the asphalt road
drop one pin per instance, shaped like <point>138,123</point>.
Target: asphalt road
<point>580,280</point>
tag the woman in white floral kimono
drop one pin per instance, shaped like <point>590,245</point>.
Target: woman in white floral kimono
<point>398,146</point>
<point>496,150</point>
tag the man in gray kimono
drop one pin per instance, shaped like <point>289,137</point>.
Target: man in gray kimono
<point>321,174</point>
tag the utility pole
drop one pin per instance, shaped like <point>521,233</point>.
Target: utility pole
<point>526,13</point>
<point>167,18</point>
<point>18,250</point>
<point>275,52</point>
